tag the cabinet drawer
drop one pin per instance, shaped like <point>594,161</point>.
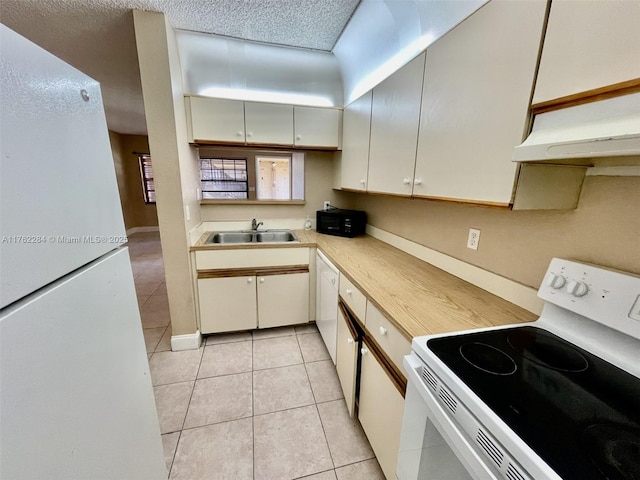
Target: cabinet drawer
<point>244,258</point>
<point>394,343</point>
<point>353,297</point>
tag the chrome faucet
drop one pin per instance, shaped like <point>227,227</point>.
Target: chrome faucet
<point>255,225</point>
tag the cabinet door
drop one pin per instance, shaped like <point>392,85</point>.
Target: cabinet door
<point>380,410</point>
<point>283,299</point>
<point>317,127</point>
<point>355,143</point>
<point>395,115</point>
<point>346,361</point>
<point>588,45</point>
<point>478,81</point>
<point>269,123</point>
<point>216,119</point>
<point>227,304</point>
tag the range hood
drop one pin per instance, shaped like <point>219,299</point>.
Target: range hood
<point>606,128</point>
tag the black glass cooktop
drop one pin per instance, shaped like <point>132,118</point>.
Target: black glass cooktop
<point>578,412</point>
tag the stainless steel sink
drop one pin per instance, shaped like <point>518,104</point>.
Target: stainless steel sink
<point>281,236</point>
<point>247,236</point>
<point>230,237</point>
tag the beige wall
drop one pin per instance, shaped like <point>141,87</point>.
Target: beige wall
<point>175,164</point>
<point>604,229</point>
<point>136,212</point>
<point>318,185</point>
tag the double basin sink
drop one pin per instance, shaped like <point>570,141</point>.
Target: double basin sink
<point>252,236</point>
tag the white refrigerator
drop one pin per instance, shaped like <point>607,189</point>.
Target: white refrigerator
<point>76,400</point>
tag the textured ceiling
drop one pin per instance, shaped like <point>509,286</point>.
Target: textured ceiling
<point>97,36</point>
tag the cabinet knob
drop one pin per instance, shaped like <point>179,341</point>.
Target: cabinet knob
<point>362,181</point>
<point>382,330</point>
<point>249,134</point>
<point>333,280</point>
<point>350,341</point>
<point>417,181</point>
<point>239,133</point>
<point>406,181</point>
<point>364,350</point>
<point>298,137</point>
<point>348,291</point>
<point>262,280</point>
<point>250,280</point>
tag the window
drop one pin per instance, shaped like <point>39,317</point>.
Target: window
<point>274,180</point>
<point>146,174</point>
<point>224,178</point>
<point>234,174</point>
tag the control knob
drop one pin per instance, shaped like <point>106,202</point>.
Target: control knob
<point>577,288</point>
<point>556,281</point>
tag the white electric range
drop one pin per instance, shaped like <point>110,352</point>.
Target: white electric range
<point>558,398</point>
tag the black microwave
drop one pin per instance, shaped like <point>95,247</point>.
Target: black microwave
<point>344,223</point>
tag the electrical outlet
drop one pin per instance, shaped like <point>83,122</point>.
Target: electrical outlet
<point>326,204</point>
<point>474,239</point>
<point>187,212</point>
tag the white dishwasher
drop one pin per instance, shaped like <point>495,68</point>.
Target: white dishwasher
<point>327,302</point>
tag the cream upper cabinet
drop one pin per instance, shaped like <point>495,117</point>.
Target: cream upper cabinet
<point>394,130</point>
<point>477,86</point>
<point>317,127</point>
<point>588,45</point>
<point>269,123</point>
<point>215,119</point>
<point>355,143</point>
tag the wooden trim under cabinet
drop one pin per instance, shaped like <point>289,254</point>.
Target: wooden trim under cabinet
<point>252,272</point>
<point>594,95</point>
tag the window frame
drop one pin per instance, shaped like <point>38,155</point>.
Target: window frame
<point>297,173</point>
<point>147,193</point>
<point>225,160</point>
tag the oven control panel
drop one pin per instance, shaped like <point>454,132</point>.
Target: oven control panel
<point>607,296</point>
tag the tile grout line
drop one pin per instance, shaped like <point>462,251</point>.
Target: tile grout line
<point>324,433</point>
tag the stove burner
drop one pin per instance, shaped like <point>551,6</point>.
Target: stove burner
<point>547,351</point>
<point>487,358</point>
<point>614,450</point>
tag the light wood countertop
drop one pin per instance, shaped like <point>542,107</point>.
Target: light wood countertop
<point>417,297</point>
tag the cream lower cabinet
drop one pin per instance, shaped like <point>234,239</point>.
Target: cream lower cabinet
<point>347,361</point>
<point>380,411</point>
<point>227,304</point>
<point>283,299</point>
<point>230,304</point>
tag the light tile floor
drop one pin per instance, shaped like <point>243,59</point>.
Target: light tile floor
<point>261,405</point>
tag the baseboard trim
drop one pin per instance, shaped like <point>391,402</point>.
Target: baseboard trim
<point>190,341</point>
<point>142,229</point>
<point>514,292</point>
